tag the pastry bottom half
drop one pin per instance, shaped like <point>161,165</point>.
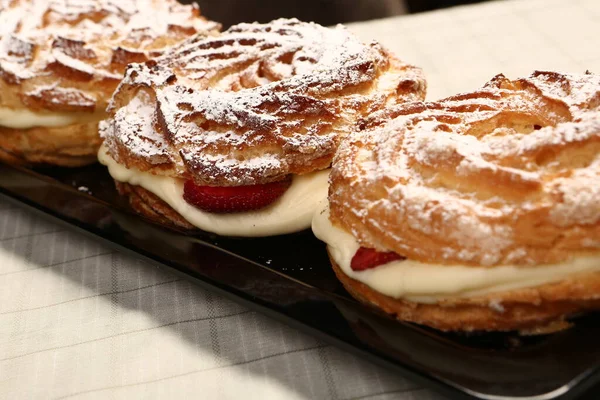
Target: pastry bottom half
<point>537,310</point>
<point>151,206</point>
<point>68,146</point>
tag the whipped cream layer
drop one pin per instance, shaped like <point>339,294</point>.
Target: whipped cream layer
<point>292,212</point>
<point>429,283</point>
<point>23,118</point>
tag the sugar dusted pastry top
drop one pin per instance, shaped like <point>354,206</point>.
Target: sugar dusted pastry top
<point>253,105</point>
<point>506,174</point>
<point>69,55</point>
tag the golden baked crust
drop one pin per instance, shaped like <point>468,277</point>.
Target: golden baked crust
<point>69,56</point>
<point>509,174</point>
<point>69,146</point>
<point>61,55</point>
<point>253,105</point>
<point>540,309</point>
<point>151,206</point>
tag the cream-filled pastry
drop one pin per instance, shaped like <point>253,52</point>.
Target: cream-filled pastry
<point>60,62</point>
<point>234,134</point>
<point>477,212</point>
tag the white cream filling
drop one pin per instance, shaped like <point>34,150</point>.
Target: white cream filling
<point>429,283</point>
<point>23,118</point>
<point>292,212</point>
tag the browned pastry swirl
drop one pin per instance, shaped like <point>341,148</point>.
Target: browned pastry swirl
<point>509,174</point>
<point>253,105</point>
<point>69,55</point>
<point>64,59</point>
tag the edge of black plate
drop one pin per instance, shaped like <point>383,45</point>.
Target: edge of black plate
<point>333,318</point>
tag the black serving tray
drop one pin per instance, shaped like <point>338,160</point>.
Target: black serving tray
<point>289,278</point>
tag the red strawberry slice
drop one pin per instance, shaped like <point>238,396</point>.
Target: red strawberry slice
<point>370,258</point>
<point>232,199</point>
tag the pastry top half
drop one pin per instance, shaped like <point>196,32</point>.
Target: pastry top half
<point>253,105</point>
<point>69,55</point>
<point>506,175</point>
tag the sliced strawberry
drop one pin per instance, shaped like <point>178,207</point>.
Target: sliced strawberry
<point>370,258</point>
<point>232,199</point>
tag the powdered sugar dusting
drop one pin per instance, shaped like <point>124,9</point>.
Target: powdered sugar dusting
<point>509,174</point>
<point>77,39</point>
<point>138,134</point>
<point>263,100</point>
<point>579,196</point>
<point>577,93</point>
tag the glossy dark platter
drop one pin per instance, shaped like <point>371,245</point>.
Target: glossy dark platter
<point>289,278</point>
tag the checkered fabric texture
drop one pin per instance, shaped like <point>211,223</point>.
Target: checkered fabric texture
<point>80,320</point>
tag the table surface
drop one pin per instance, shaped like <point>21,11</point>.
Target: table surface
<point>79,320</point>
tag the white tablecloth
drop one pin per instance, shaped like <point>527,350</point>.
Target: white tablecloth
<point>79,320</point>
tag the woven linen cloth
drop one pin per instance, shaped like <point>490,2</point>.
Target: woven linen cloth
<point>80,320</point>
